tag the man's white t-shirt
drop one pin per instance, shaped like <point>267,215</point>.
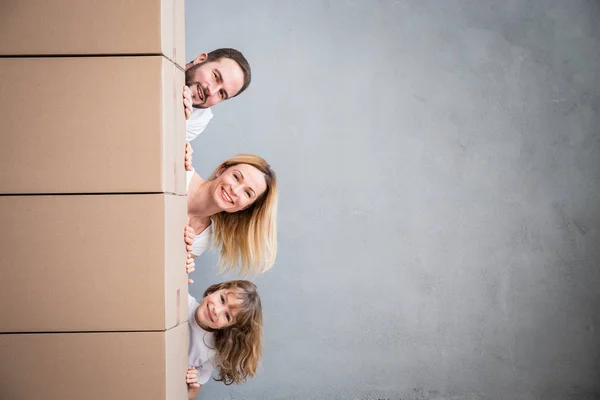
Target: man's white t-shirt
<point>197,123</point>
<point>201,351</point>
<point>203,240</point>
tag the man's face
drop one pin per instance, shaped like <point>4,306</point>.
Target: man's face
<point>214,81</point>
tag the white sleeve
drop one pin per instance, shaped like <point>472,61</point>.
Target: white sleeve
<point>188,178</point>
<point>202,241</point>
<point>197,123</point>
<point>192,131</point>
<point>205,371</point>
<point>191,301</point>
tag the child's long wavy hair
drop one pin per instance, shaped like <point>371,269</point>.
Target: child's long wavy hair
<point>250,235</point>
<point>239,346</point>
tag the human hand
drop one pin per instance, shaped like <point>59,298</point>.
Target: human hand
<point>191,377</point>
<point>188,237</point>
<point>188,157</point>
<point>190,264</point>
<point>187,101</point>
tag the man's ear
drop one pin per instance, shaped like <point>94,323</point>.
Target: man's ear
<point>200,59</point>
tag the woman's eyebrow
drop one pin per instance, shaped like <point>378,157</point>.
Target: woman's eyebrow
<point>249,187</point>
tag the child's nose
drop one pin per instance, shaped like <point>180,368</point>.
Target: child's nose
<point>219,309</point>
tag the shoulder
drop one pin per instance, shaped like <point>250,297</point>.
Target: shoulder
<point>202,241</point>
<point>202,344</point>
<point>193,181</point>
<point>209,340</point>
<point>201,114</point>
<point>192,302</point>
<point>188,178</point>
<point>197,122</point>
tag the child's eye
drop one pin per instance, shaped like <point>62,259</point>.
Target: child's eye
<point>222,300</point>
<point>228,317</point>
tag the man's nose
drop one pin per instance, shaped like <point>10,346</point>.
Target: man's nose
<point>214,88</point>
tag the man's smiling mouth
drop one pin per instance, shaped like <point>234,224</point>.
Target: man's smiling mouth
<point>200,93</point>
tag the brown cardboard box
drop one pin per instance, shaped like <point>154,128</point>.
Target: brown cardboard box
<point>92,263</point>
<point>91,125</point>
<point>93,27</point>
<point>94,366</point>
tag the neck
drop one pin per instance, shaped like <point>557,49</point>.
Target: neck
<point>201,204</point>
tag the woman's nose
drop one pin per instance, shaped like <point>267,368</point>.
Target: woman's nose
<point>235,188</point>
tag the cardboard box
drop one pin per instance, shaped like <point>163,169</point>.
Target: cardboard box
<point>92,263</point>
<point>93,27</point>
<point>91,125</point>
<point>94,366</point>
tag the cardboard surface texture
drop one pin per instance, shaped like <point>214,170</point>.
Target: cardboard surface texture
<point>92,263</point>
<point>91,125</point>
<point>94,366</point>
<point>93,27</point>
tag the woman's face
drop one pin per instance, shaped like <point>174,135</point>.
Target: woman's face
<point>238,186</point>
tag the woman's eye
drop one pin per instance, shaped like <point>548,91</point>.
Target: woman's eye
<point>248,194</point>
<point>236,177</point>
<point>215,74</point>
<point>228,317</point>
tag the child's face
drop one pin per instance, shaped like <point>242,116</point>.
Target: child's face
<point>216,311</point>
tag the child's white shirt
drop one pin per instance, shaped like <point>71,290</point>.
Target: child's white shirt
<point>201,351</point>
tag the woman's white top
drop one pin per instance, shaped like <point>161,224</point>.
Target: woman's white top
<point>202,241</point>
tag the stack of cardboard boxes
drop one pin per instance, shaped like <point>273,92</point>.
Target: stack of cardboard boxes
<point>93,289</point>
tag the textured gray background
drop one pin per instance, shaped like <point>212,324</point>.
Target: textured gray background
<point>439,166</point>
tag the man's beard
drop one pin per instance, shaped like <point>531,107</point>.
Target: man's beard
<point>193,85</point>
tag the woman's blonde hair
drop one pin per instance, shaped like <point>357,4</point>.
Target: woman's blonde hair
<point>248,236</point>
<point>239,346</point>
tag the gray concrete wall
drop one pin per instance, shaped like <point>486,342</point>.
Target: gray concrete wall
<point>439,167</point>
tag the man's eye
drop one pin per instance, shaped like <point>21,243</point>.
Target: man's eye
<point>223,95</point>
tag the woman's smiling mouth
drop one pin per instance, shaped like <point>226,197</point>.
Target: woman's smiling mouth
<point>226,195</point>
